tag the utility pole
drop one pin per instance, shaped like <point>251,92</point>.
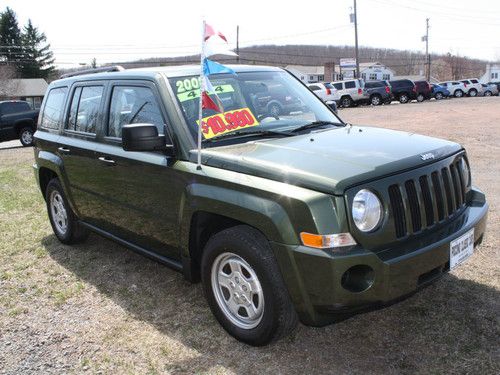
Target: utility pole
<point>238,43</point>
<point>356,38</point>
<point>427,56</point>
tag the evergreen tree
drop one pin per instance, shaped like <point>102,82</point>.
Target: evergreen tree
<point>10,37</point>
<point>37,59</point>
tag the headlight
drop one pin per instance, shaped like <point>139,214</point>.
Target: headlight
<point>466,172</point>
<point>366,210</point>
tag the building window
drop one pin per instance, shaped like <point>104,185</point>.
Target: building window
<point>494,75</point>
<point>311,78</point>
<point>386,77</point>
<point>373,76</point>
<point>321,78</point>
<point>363,76</point>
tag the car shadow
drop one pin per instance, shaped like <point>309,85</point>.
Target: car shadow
<point>451,322</point>
<point>10,148</point>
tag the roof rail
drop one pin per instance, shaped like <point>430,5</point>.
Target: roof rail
<point>112,68</point>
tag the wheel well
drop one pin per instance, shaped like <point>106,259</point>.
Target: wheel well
<point>346,96</point>
<point>45,175</point>
<point>23,124</point>
<point>203,226</point>
<point>375,94</point>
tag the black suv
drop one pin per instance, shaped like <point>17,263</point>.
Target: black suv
<point>282,217</point>
<point>17,121</point>
<point>403,90</point>
<point>379,92</point>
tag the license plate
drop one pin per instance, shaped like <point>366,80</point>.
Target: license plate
<point>461,248</point>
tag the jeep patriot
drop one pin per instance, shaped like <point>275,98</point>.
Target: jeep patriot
<point>292,216</point>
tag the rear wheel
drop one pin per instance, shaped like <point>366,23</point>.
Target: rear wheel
<point>404,98</point>
<point>376,100</point>
<point>420,98</point>
<point>473,93</point>
<point>244,288</point>
<point>438,96</point>
<point>64,222</point>
<point>487,93</point>
<point>459,93</point>
<point>346,102</point>
<point>26,136</point>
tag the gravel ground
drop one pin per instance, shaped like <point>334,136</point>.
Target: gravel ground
<point>99,308</point>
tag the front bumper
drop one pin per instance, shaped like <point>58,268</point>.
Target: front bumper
<point>314,277</point>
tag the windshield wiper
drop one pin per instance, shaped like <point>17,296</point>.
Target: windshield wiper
<point>243,133</point>
<point>315,124</point>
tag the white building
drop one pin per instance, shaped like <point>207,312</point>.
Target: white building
<point>307,74</point>
<point>492,73</point>
<point>375,71</point>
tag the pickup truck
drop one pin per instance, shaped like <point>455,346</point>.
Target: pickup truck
<point>17,121</point>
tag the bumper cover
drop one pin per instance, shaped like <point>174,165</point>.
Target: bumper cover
<point>314,277</point>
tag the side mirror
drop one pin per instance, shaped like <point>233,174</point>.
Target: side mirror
<point>144,137</point>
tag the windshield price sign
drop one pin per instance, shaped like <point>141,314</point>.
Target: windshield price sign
<point>226,122</point>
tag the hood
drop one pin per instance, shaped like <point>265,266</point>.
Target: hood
<point>330,160</point>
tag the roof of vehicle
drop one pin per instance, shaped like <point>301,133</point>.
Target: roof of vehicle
<point>153,72</point>
<point>13,101</point>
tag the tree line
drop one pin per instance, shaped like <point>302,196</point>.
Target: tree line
<point>24,53</point>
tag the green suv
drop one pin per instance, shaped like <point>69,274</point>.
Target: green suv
<point>290,216</point>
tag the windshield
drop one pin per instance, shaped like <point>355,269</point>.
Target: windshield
<point>257,102</point>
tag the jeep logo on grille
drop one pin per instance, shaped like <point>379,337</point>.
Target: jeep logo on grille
<point>427,156</point>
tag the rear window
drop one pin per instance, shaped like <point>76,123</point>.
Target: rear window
<point>14,107</point>
<point>350,85</point>
<point>474,81</point>
<point>314,87</point>
<point>53,108</point>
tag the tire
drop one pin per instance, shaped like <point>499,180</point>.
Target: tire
<point>26,136</point>
<point>487,93</point>
<point>472,93</point>
<point>420,98</point>
<point>404,98</point>
<point>274,110</point>
<point>346,102</point>
<point>241,254</point>
<point>439,96</point>
<point>64,222</point>
<point>376,100</point>
<point>458,94</point>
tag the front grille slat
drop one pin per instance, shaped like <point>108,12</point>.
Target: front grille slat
<point>411,193</point>
<point>456,186</point>
<point>426,194</point>
<point>450,197</point>
<point>398,210</point>
<point>438,193</point>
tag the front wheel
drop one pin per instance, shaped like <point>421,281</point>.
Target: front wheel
<point>376,100</point>
<point>404,98</point>
<point>26,136</point>
<point>438,96</point>
<point>459,94</point>
<point>487,93</point>
<point>346,102</point>
<point>64,222</point>
<point>420,98</point>
<point>244,288</point>
<point>473,93</point>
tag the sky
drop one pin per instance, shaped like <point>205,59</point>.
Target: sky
<point>113,31</point>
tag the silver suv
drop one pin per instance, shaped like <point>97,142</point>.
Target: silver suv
<point>456,89</point>
<point>473,87</point>
<point>351,92</point>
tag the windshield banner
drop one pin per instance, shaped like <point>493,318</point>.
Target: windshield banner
<point>226,122</point>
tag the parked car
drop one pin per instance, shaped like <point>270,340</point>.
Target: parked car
<point>299,217</point>
<point>424,90</point>
<point>351,92</point>
<point>326,92</point>
<point>17,121</point>
<point>473,87</point>
<point>456,89</point>
<point>403,90</point>
<point>497,84</point>
<point>439,92</point>
<point>270,98</point>
<point>379,92</point>
<point>489,90</point>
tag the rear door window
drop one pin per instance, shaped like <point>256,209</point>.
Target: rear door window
<point>474,81</point>
<point>84,111</point>
<point>53,108</point>
<point>338,86</point>
<point>350,85</point>
<point>314,88</point>
<point>133,105</point>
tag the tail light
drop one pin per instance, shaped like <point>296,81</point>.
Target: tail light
<point>387,89</point>
<point>360,91</point>
<point>414,89</point>
<point>429,85</point>
<point>328,91</point>
<point>465,85</point>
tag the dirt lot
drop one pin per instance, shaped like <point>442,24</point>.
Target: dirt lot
<point>99,308</point>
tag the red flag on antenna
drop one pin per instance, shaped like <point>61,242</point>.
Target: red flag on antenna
<point>208,103</point>
<point>210,31</point>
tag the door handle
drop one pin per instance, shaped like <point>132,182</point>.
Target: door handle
<point>107,161</point>
<point>64,150</point>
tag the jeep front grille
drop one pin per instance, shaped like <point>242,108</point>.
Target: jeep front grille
<point>423,202</point>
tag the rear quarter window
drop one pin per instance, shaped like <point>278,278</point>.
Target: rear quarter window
<point>338,86</point>
<point>350,85</point>
<point>14,107</point>
<point>53,108</point>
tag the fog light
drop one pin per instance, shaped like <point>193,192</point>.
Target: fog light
<point>358,278</point>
